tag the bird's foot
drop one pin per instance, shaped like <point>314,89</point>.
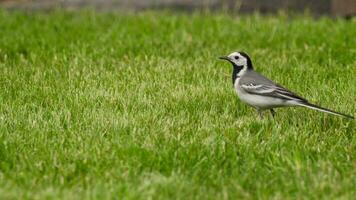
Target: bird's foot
<point>273,113</point>
<point>260,113</point>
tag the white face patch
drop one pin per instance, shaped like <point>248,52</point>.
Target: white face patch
<point>238,59</point>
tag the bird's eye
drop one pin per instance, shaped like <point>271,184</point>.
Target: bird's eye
<point>236,57</point>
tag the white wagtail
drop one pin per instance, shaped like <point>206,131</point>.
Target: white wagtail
<point>262,93</point>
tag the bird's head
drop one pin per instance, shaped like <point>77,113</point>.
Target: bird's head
<point>239,60</point>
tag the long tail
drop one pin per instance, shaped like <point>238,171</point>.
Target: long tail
<point>315,107</point>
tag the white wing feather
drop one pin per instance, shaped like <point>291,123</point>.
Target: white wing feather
<point>272,91</point>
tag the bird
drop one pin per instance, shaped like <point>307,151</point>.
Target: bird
<point>262,93</point>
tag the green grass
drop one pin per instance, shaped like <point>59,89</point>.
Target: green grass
<point>137,106</point>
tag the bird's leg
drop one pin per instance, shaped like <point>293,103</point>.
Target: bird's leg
<point>273,113</point>
<point>260,113</point>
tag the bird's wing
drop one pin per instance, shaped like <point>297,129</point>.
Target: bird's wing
<point>271,90</point>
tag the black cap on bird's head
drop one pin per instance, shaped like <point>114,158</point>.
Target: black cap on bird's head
<point>239,59</point>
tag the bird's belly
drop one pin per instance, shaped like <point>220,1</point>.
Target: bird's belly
<point>261,102</point>
<point>258,101</point>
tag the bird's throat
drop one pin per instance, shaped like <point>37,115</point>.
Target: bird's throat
<point>235,72</point>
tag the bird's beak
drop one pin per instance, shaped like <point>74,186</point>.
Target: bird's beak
<point>224,58</point>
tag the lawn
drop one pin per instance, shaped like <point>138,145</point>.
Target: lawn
<point>137,106</point>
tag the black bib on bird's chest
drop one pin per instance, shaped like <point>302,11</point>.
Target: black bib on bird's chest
<point>235,71</point>
<point>237,68</point>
